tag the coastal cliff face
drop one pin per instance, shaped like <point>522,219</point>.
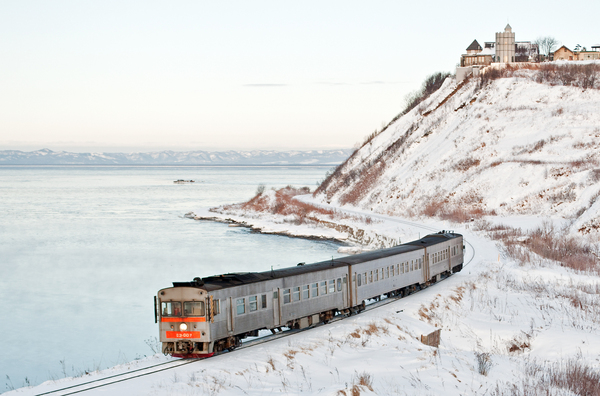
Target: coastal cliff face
<point>507,145</point>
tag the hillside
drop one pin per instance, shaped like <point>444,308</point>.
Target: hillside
<point>515,142</point>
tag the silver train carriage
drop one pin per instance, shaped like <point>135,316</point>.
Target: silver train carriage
<point>208,315</point>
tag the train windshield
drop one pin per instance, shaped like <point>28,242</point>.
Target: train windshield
<point>193,308</point>
<point>171,308</point>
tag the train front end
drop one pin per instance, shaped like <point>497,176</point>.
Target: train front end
<point>183,315</point>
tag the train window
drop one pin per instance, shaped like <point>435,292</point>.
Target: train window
<point>393,270</point>
<point>323,288</point>
<point>241,306</point>
<point>305,292</point>
<point>263,301</point>
<point>382,277</point>
<point>371,277</point>
<point>315,290</point>
<point>406,266</point>
<point>286,296</point>
<point>216,307</point>
<point>365,278</point>
<point>297,293</point>
<point>359,280</point>
<point>411,265</point>
<point>339,283</point>
<point>253,303</point>
<point>398,269</point>
<point>387,272</point>
<point>376,275</point>
<point>275,296</point>
<point>193,308</point>
<point>171,308</point>
<point>332,286</point>
<point>420,263</point>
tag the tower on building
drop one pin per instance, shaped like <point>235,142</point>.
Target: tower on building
<point>505,45</point>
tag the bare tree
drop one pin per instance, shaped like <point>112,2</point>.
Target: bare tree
<point>547,45</point>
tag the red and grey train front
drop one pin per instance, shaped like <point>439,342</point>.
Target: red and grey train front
<point>184,322</point>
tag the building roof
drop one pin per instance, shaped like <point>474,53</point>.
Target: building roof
<point>508,28</point>
<point>474,46</point>
<point>488,51</point>
<point>561,47</point>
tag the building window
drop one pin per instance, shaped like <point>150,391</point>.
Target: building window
<point>241,306</point>
<point>305,292</point>
<point>252,303</point>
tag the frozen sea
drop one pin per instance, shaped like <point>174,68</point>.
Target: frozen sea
<point>83,250</point>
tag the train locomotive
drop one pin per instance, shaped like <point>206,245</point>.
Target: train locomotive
<point>212,314</point>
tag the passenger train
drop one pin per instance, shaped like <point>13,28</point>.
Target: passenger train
<point>208,315</point>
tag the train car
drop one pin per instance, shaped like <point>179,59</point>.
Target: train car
<point>211,314</point>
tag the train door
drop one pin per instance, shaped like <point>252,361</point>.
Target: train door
<point>425,266</point>
<point>230,317</point>
<point>345,296</point>
<point>276,308</point>
<point>354,296</point>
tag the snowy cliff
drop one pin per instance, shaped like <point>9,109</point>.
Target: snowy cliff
<point>504,146</point>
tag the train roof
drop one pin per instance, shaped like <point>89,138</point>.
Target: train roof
<point>236,279</point>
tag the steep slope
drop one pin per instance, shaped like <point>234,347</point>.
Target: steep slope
<point>500,146</point>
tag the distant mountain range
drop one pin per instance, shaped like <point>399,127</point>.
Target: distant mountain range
<point>255,157</point>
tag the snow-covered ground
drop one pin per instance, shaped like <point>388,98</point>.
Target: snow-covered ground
<point>495,315</point>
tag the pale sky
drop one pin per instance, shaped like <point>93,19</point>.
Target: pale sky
<point>216,75</point>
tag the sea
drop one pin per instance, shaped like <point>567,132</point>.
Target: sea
<point>83,250</point>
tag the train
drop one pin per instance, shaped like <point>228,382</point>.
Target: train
<point>204,316</point>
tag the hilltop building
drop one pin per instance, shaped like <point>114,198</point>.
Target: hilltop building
<point>564,53</point>
<point>503,50</point>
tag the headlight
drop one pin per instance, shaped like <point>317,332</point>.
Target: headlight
<point>183,327</point>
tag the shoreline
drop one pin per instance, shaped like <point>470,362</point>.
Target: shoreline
<point>253,228</point>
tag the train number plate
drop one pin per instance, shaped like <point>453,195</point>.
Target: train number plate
<point>183,334</point>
